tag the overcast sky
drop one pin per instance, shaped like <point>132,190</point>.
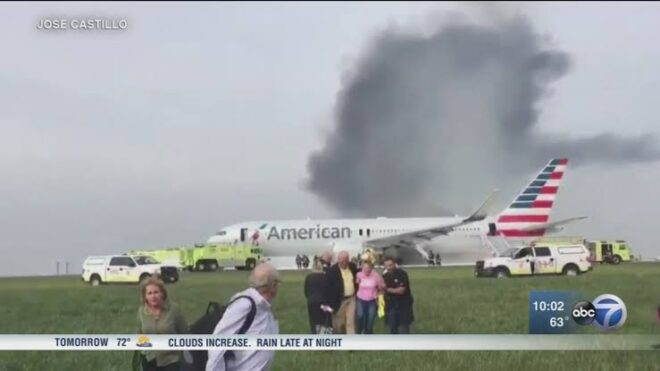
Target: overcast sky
<point>202,115</point>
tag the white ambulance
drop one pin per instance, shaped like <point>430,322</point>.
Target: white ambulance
<point>570,260</point>
<point>125,269</point>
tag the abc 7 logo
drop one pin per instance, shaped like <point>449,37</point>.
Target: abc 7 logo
<point>607,312</point>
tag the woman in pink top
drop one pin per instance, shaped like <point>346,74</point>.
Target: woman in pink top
<point>370,283</point>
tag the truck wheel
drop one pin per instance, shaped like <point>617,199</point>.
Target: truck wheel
<point>570,270</point>
<point>616,259</point>
<point>250,264</point>
<point>144,277</point>
<point>95,280</point>
<point>212,266</point>
<point>200,267</point>
<point>502,273</point>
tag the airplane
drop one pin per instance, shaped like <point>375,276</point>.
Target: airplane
<point>525,219</point>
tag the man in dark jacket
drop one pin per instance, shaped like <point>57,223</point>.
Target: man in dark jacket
<point>340,293</point>
<point>315,294</point>
<point>398,298</point>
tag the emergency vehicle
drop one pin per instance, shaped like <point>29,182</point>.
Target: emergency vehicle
<point>610,252</point>
<point>601,251</point>
<point>537,259</point>
<point>172,256</point>
<point>209,257</point>
<point>125,269</point>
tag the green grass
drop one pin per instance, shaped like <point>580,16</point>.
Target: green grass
<point>447,301</point>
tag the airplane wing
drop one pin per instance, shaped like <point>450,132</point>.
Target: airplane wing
<point>411,239</point>
<point>553,225</point>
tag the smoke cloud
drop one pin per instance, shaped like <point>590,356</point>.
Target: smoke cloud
<point>427,123</point>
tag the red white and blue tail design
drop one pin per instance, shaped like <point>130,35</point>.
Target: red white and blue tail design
<point>529,213</point>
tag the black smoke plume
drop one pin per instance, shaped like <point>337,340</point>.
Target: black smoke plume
<point>434,120</point>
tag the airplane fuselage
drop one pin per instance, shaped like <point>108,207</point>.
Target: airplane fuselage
<point>313,237</point>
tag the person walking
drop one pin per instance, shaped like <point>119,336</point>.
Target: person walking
<point>370,284</point>
<point>159,315</point>
<point>315,295</point>
<point>340,293</point>
<point>264,284</point>
<point>398,298</point>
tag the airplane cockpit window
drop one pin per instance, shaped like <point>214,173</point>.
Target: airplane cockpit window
<point>221,233</point>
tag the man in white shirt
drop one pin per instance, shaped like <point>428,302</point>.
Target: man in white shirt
<point>264,283</point>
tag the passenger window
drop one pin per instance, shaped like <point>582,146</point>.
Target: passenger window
<point>542,251</point>
<point>122,261</point>
<point>115,261</point>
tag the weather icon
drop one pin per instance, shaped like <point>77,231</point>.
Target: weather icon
<point>143,341</point>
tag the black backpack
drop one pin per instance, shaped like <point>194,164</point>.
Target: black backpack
<point>205,326</point>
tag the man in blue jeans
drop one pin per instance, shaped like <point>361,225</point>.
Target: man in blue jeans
<point>398,298</point>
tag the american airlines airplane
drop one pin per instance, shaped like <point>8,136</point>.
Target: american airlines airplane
<point>526,218</point>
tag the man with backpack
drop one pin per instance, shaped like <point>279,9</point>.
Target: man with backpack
<point>249,312</point>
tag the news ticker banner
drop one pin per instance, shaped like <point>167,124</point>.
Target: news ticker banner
<point>331,342</point>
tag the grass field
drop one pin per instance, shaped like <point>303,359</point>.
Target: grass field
<point>447,301</point>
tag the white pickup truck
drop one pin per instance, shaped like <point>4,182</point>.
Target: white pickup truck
<point>569,260</point>
<point>125,268</point>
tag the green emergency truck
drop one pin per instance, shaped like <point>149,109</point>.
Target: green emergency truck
<point>207,257</point>
<point>600,251</point>
<point>210,257</point>
<point>609,252</point>
<point>171,256</point>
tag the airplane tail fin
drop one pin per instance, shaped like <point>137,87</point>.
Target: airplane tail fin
<point>529,213</point>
